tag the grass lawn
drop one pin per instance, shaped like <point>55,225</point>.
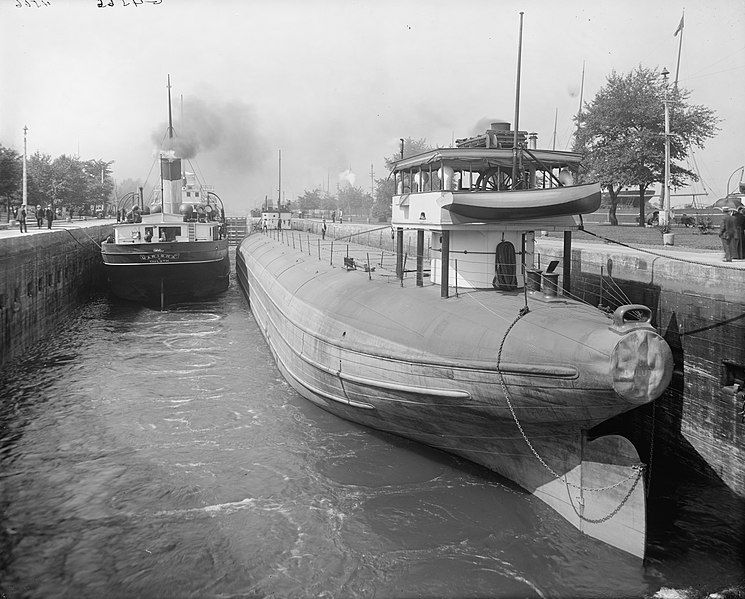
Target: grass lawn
<point>685,237</point>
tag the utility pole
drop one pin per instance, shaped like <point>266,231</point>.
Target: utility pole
<point>665,215</point>
<point>279,195</point>
<point>25,175</point>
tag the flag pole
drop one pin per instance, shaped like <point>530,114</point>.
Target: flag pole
<point>680,47</point>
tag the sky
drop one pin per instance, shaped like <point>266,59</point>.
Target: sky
<point>332,85</point>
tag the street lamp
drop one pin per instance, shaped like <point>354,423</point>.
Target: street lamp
<point>665,214</point>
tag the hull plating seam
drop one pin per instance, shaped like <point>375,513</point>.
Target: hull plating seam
<point>451,394</point>
<point>318,392</point>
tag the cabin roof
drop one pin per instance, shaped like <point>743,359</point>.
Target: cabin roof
<point>464,158</point>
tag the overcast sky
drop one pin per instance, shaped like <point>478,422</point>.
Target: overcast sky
<point>335,84</point>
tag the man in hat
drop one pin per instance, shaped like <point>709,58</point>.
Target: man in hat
<point>727,233</point>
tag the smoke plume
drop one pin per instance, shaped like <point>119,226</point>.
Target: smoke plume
<point>226,130</point>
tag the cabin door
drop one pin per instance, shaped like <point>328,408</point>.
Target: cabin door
<point>505,267</point>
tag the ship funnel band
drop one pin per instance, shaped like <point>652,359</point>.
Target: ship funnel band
<point>641,366</point>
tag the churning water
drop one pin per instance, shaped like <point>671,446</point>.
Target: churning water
<point>161,454</point>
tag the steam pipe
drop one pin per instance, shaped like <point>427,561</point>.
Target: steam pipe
<point>739,168</point>
<point>222,206</point>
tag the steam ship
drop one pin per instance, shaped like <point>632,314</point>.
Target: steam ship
<point>178,250</point>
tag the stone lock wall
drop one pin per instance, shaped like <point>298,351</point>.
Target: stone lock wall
<point>43,276</point>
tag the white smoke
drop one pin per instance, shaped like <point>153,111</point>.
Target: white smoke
<point>347,177</point>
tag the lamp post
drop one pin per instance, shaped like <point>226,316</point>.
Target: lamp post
<point>665,214</point>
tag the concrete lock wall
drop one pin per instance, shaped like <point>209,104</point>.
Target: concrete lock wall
<point>43,276</point>
<point>700,311</point>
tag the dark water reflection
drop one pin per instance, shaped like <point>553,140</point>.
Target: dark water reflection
<point>149,454</point>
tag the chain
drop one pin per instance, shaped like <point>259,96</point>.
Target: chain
<point>651,449</point>
<point>617,509</point>
<point>556,475</point>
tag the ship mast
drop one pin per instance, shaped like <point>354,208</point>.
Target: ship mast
<point>517,106</point>
<point>170,117</point>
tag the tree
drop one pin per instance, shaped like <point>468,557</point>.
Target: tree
<point>621,133</point>
<point>353,200</point>
<point>310,200</point>
<point>381,209</point>
<point>412,147</point>
<point>11,177</point>
<point>69,182</point>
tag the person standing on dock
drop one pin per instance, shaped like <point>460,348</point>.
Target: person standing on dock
<point>323,229</point>
<point>739,216</point>
<point>727,233</point>
<point>49,213</point>
<point>22,220</point>
<point>39,216</point>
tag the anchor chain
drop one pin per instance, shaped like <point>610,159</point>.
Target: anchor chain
<point>555,474</point>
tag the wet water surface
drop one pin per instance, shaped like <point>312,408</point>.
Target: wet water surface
<point>161,454</point>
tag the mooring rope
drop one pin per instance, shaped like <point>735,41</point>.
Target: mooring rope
<point>98,245</point>
<point>660,255</point>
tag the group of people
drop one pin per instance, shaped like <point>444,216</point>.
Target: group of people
<point>732,233</point>
<point>41,214</point>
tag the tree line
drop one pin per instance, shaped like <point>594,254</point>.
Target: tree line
<point>65,182</point>
<point>353,200</point>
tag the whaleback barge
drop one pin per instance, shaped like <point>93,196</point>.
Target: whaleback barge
<point>510,373</point>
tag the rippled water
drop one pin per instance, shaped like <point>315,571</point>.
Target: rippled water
<point>161,454</point>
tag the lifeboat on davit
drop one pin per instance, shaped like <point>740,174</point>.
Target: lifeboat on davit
<point>510,372</point>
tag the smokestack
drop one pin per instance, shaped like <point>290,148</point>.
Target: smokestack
<point>170,172</point>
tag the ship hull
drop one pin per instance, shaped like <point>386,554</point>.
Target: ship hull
<point>162,273</point>
<point>453,375</point>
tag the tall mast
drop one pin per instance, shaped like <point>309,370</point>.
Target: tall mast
<point>170,116</point>
<point>581,94</point>
<point>517,105</point>
<point>556,120</point>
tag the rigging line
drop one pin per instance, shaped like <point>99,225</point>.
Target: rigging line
<point>78,241</point>
<point>200,174</point>
<point>731,54</point>
<point>620,291</point>
<point>155,159</point>
<point>736,68</point>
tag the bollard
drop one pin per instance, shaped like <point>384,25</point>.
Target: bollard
<point>456,277</point>
<point>550,284</point>
<point>533,280</point>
